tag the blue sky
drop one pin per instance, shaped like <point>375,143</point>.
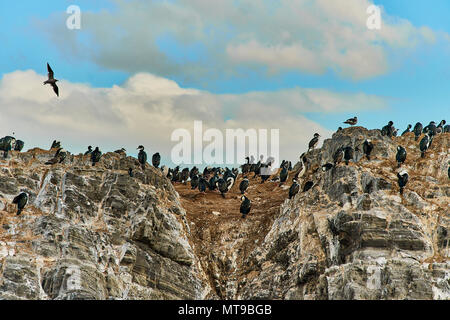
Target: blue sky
<point>414,86</point>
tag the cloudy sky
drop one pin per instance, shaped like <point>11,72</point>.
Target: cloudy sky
<point>138,70</point>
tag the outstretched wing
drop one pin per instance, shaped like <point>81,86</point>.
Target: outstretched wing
<point>55,88</point>
<point>50,71</point>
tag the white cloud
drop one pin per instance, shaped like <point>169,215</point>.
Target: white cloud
<point>303,35</point>
<point>146,109</point>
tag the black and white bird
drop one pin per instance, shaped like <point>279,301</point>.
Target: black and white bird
<point>95,156</point>
<point>293,190</point>
<point>327,166</point>
<point>348,154</point>
<point>367,148</point>
<point>440,127</point>
<point>338,155</point>
<point>185,175</point>
<point>314,141</point>
<point>7,144</point>
<point>130,172</point>
<point>431,128</point>
<point>202,184</point>
<point>21,200</point>
<point>194,182</point>
<point>408,129</point>
<point>283,174</point>
<point>417,130</point>
<point>244,185</point>
<point>19,145</point>
<point>400,156</point>
<point>246,205</point>
<point>303,166</point>
<point>425,144</point>
<point>142,156</point>
<point>156,160</point>
<point>402,179</point>
<point>352,121</point>
<point>89,151</point>
<point>51,80</point>
<point>388,130</point>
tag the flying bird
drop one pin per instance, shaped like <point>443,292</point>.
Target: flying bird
<point>51,80</point>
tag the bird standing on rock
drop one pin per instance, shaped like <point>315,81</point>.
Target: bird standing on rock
<point>401,155</point>
<point>246,205</point>
<point>338,155</point>
<point>142,156</point>
<point>348,154</point>
<point>89,151</point>
<point>352,121</point>
<point>314,141</point>
<point>156,160</point>
<point>425,144</point>
<point>244,185</point>
<point>293,190</point>
<point>407,129</point>
<point>59,157</point>
<point>417,130</point>
<point>367,148</point>
<point>21,200</point>
<point>402,180</point>
<point>95,156</point>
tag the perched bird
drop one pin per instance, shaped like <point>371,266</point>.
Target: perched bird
<point>401,155</point>
<point>308,185</point>
<point>230,182</point>
<point>338,155</point>
<point>184,175</point>
<point>202,183</point>
<point>447,128</point>
<point>348,154</point>
<point>95,156</point>
<point>293,190</point>
<point>367,148</point>
<point>51,80</point>
<point>339,129</point>
<point>19,145</point>
<point>194,182</point>
<point>142,156</point>
<point>352,121</point>
<point>156,160</point>
<point>407,129</point>
<point>130,172</point>
<point>425,144</point>
<point>302,170</point>
<point>59,156</point>
<point>327,166</point>
<point>283,175</point>
<point>89,151</point>
<point>194,172</point>
<point>212,182</point>
<point>7,144</point>
<point>440,127</point>
<point>222,186</point>
<point>21,200</point>
<point>244,185</point>
<point>245,168</point>
<point>246,205</point>
<point>314,141</point>
<point>417,130</point>
<point>388,130</point>
<point>431,129</point>
<point>402,180</point>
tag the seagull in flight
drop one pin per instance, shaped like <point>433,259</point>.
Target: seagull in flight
<point>51,80</point>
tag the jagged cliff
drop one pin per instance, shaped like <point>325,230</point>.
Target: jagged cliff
<point>95,232</point>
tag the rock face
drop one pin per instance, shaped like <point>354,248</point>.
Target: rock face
<point>97,233</point>
<point>93,232</point>
<point>352,236</point>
